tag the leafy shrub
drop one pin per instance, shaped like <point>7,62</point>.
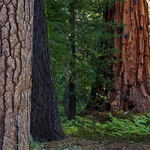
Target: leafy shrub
<point>34,145</point>
<point>133,127</point>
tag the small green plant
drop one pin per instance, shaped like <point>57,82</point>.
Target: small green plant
<point>132,127</point>
<point>61,110</point>
<point>34,145</point>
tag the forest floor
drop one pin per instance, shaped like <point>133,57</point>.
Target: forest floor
<point>71,143</point>
<point>76,143</point>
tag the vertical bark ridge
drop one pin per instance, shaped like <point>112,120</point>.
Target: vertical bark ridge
<point>16,19</point>
<point>132,75</point>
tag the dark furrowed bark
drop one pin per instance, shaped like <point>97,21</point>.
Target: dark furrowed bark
<point>45,123</point>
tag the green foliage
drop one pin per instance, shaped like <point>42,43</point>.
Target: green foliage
<point>57,17</point>
<point>94,49</point>
<point>34,145</point>
<point>81,105</point>
<point>132,127</point>
<point>135,127</point>
<point>61,110</point>
<point>93,53</point>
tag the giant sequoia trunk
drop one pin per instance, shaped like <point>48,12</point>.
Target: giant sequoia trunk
<point>131,88</point>
<point>45,123</point>
<point>16,20</point>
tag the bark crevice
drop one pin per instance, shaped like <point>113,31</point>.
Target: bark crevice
<point>15,74</point>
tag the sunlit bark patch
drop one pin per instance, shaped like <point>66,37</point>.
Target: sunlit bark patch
<point>132,75</point>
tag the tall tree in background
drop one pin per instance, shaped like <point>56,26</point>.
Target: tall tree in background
<point>72,94</point>
<point>131,88</point>
<point>16,27</point>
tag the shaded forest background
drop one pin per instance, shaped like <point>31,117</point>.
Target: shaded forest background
<point>82,53</point>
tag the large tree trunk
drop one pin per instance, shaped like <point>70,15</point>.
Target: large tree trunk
<point>45,123</point>
<point>16,21</point>
<point>131,88</point>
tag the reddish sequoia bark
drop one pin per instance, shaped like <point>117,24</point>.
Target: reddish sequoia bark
<point>131,88</point>
<point>16,19</point>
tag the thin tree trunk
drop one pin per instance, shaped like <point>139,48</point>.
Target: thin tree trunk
<point>131,88</point>
<point>45,123</point>
<point>72,95</point>
<point>65,99</point>
<point>16,21</point>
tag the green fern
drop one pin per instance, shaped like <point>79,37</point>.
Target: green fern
<point>134,127</point>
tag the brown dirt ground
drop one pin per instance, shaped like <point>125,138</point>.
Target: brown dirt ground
<point>71,143</point>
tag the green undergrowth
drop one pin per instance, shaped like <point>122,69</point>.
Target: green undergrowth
<point>110,127</point>
<point>34,145</point>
